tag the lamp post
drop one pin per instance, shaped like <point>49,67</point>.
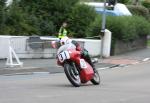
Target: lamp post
<point>110,3</point>
<point>104,18</point>
<point>103,29</point>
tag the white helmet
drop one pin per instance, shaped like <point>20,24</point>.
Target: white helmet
<point>65,40</point>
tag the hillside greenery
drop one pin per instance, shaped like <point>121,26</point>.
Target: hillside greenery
<point>44,17</point>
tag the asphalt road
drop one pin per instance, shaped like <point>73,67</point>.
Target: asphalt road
<point>118,85</point>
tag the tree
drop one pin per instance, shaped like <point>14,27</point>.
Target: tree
<point>16,21</point>
<point>135,2</point>
<point>47,15</point>
<point>44,17</point>
<point>2,16</point>
<point>123,1</point>
<point>80,18</point>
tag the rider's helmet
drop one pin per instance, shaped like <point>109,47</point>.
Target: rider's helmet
<point>65,40</point>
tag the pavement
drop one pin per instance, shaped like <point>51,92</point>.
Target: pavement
<point>49,65</point>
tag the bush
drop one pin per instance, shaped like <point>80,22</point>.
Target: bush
<point>139,10</point>
<point>146,3</point>
<point>80,18</point>
<point>95,28</point>
<point>2,16</point>
<point>123,1</point>
<point>17,22</point>
<point>40,17</point>
<point>122,28</point>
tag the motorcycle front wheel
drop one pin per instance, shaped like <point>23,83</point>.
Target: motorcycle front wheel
<point>96,78</point>
<point>72,74</point>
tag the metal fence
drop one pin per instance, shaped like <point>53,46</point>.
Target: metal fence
<point>34,47</point>
<point>29,47</point>
<point>40,47</point>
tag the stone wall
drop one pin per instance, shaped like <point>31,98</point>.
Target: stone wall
<point>122,46</point>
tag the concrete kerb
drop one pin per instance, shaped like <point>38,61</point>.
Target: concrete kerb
<point>21,71</point>
<point>124,65</point>
<point>26,72</point>
<point>20,68</point>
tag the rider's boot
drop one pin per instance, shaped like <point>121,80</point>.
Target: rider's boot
<point>88,59</point>
<point>86,56</point>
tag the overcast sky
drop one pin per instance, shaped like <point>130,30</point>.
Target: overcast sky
<point>9,2</point>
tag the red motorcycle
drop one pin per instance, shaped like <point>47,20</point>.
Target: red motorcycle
<point>76,68</point>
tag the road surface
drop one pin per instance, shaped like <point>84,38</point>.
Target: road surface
<point>118,85</point>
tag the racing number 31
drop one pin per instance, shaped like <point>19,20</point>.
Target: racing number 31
<point>63,56</point>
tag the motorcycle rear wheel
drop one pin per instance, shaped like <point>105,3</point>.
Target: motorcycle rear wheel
<point>96,78</point>
<point>73,77</point>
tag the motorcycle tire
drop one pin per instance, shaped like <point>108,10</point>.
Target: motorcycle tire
<point>71,75</point>
<point>96,78</point>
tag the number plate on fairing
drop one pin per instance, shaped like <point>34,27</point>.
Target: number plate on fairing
<point>63,56</point>
<point>83,63</point>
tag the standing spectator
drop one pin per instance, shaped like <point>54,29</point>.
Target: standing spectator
<point>62,31</point>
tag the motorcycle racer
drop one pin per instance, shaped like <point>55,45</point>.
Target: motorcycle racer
<point>83,51</point>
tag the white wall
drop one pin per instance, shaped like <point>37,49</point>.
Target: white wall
<point>93,46</point>
<point>4,42</point>
<point>22,49</point>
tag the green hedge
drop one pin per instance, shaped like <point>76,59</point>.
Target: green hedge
<point>139,10</point>
<point>2,15</point>
<point>44,17</point>
<point>35,17</point>
<point>123,28</point>
<point>123,1</point>
<point>146,3</point>
<point>80,18</point>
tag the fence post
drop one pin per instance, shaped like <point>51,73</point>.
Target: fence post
<point>12,53</point>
